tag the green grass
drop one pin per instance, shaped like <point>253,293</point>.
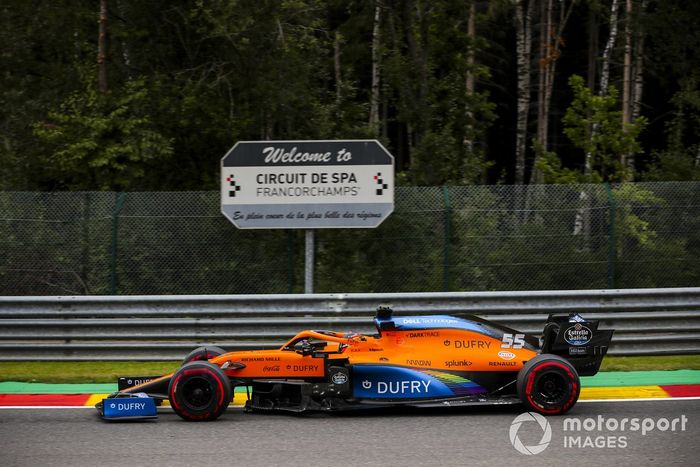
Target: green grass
<point>107,372</point>
<point>81,372</point>
<point>665,362</point>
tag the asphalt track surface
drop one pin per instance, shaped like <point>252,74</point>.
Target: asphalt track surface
<point>467,436</point>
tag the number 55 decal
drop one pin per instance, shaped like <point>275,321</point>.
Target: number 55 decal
<point>513,341</point>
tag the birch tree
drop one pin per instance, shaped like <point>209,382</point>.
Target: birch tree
<point>551,42</point>
<point>627,76</point>
<point>523,37</point>
<point>604,73</point>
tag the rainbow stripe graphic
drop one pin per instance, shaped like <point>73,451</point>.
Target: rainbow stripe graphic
<point>458,385</point>
<point>603,386</point>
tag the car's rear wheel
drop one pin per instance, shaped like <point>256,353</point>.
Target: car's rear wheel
<point>199,391</point>
<point>203,353</point>
<point>548,384</point>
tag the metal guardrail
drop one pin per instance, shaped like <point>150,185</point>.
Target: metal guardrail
<point>646,321</point>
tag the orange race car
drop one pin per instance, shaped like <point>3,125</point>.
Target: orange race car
<point>436,360</point>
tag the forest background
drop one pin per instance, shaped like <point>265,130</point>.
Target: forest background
<point>104,103</point>
<point>128,95</point>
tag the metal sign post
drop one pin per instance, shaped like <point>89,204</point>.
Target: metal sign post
<point>307,185</point>
<point>309,262</point>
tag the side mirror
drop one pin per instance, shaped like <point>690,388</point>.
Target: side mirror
<point>306,348</point>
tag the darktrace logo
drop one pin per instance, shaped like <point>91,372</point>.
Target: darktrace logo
<point>234,187</point>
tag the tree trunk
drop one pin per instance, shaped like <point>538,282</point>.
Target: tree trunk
<point>102,49</point>
<point>548,68</point>
<point>126,52</point>
<point>627,78</point>
<point>638,67</point>
<point>582,223</point>
<point>592,47</point>
<point>376,58</point>
<point>541,70</point>
<point>336,67</point>
<point>469,79</point>
<point>414,99</point>
<point>557,44</point>
<point>523,20</point>
<point>604,75</point>
<point>605,62</point>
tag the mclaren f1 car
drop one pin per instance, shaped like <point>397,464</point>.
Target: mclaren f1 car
<point>426,361</point>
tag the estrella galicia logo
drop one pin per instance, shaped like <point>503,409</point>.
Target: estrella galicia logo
<point>524,418</point>
<point>578,335</point>
<point>339,378</point>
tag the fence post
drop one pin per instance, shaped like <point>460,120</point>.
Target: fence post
<point>85,244</point>
<point>290,261</point>
<point>446,242</point>
<point>612,247</point>
<point>118,205</point>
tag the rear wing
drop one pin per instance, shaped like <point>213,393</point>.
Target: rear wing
<point>578,340</point>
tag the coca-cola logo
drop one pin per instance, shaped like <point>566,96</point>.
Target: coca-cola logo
<point>578,335</point>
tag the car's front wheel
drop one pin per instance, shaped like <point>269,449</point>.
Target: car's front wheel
<point>199,391</point>
<point>548,384</point>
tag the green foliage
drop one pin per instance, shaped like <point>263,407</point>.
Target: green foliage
<point>452,238</point>
<point>549,164</point>
<point>631,226</point>
<point>190,78</point>
<point>104,140</point>
<point>593,125</point>
<point>680,160</point>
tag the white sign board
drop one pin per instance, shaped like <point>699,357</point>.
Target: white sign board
<point>307,184</point>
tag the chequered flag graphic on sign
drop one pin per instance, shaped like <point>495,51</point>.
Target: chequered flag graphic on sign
<point>381,186</point>
<point>234,186</point>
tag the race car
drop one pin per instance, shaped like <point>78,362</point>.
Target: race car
<point>418,361</point>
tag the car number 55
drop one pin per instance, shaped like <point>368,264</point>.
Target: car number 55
<point>513,341</point>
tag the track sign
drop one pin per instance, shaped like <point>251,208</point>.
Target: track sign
<point>307,184</point>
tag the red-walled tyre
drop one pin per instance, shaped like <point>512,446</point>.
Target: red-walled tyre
<point>548,384</point>
<point>200,391</point>
<point>203,353</point>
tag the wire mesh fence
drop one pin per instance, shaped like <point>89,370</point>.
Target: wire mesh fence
<point>466,238</point>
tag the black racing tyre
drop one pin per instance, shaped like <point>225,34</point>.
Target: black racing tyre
<point>548,384</point>
<point>199,391</point>
<point>203,353</point>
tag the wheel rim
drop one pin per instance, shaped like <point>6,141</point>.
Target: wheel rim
<point>197,393</point>
<point>551,389</point>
